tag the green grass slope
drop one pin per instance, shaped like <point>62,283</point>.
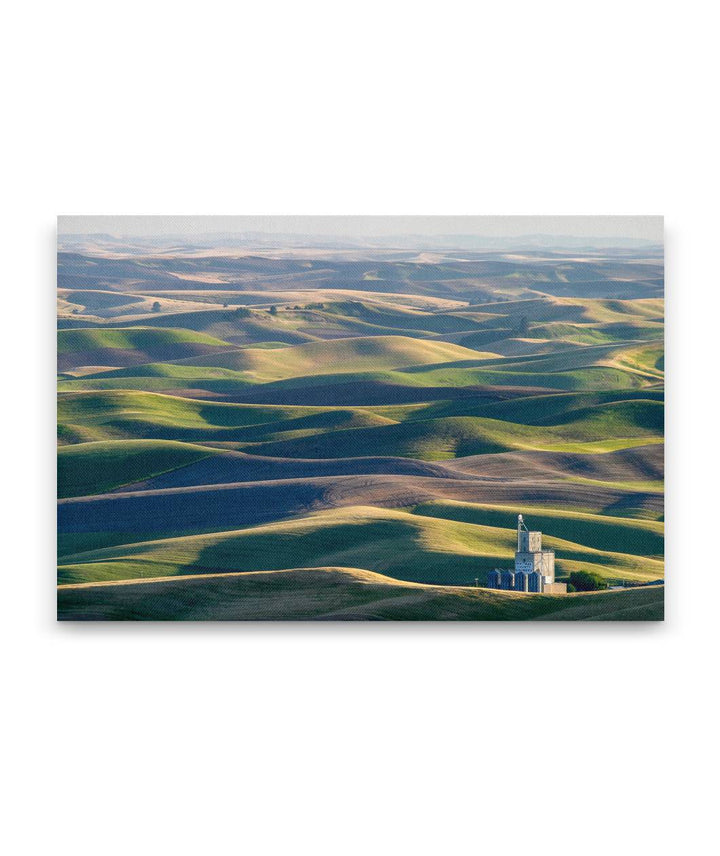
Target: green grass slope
<point>141,338</point>
<point>124,414</point>
<point>467,375</point>
<point>179,376</point>
<point>545,409</point>
<point>114,347</point>
<point>91,468</point>
<point>229,325</point>
<point>322,432</point>
<point>340,355</point>
<point>395,543</point>
<point>399,319</point>
<point>640,538</point>
<point>333,593</point>
<point>546,308</point>
<point>617,426</point>
<point>313,498</point>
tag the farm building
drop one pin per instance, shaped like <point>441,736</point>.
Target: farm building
<point>534,567</point>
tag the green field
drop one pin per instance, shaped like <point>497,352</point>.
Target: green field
<point>339,594</point>
<point>88,468</point>
<point>350,434</point>
<point>414,547</point>
<point>143,338</point>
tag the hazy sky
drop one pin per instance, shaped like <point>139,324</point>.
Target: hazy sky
<point>639,227</point>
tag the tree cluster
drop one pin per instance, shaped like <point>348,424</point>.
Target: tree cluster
<point>585,581</point>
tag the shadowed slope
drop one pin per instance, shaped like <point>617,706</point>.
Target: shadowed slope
<point>89,468</point>
<point>638,464</point>
<point>340,355</point>
<point>135,515</point>
<point>334,452</point>
<point>395,543</point>
<point>130,346</point>
<point>600,430</point>
<point>324,432</point>
<point>639,468</point>
<point>641,538</point>
<point>229,467</point>
<point>336,594</point>
<point>123,414</point>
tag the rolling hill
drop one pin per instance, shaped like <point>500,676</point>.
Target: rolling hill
<point>395,543</point>
<point>88,468</point>
<point>343,355</point>
<point>130,346</point>
<point>349,433</point>
<point>336,594</point>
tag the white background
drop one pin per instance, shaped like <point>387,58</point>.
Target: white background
<point>359,739</point>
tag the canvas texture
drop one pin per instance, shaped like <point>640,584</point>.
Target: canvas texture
<point>398,419</point>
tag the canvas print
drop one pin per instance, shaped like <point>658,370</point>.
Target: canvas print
<point>360,418</point>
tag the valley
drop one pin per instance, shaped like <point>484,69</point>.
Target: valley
<point>349,432</point>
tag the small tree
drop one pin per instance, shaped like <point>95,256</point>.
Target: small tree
<point>156,306</point>
<point>584,581</point>
<point>273,310</point>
